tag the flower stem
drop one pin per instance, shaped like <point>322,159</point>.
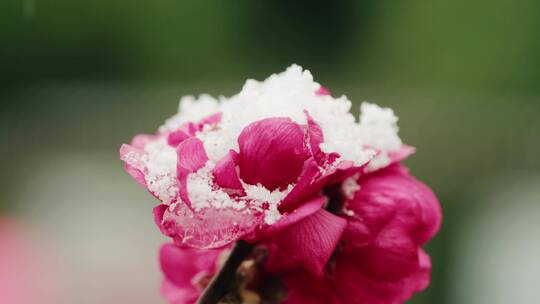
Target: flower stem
<point>225,280</point>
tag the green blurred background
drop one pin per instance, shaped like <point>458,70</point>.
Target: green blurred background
<point>78,78</point>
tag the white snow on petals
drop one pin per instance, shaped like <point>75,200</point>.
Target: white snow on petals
<point>287,94</point>
<point>350,186</point>
<point>203,195</point>
<point>260,195</point>
<point>379,130</point>
<point>191,109</point>
<point>160,175</point>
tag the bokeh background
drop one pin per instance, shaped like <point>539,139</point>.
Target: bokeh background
<point>78,78</point>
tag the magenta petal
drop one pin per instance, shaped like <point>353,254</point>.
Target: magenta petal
<point>312,181</point>
<point>191,128</point>
<point>209,227</point>
<point>133,164</point>
<point>315,138</point>
<point>140,140</point>
<point>392,197</point>
<point>210,120</point>
<point>181,267</point>
<point>225,174</point>
<point>271,152</point>
<point>158,212</point>
<point>393,214</point>
<point>354,286</point>
<point>403,153</point>
<point>308,243</point>
<point>182,174</point>
<point>420,280</point>
<point>322,91</point>
<point>343,170</point>
<point>392,256</point>
<point>298,214</point>
<point>191,154</point>
<point>137,175</point>
<point>176,137</point>
<point>177,264</point>
<point>175,295</point>
<point>304,287</point>
<point>191,157</point>
<point>306,187</point>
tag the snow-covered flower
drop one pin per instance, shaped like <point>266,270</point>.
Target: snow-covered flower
<point>285,165</point>
<point>228,169</point>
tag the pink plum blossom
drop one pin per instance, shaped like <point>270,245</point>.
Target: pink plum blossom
<point>186,271</point>
<point>229,169</point>
<point>258,166</point>
<point>379,259</point>
<point>389,218</point>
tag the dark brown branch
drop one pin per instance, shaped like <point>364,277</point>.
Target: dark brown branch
<point>225,280</point>
<point>335,199</point>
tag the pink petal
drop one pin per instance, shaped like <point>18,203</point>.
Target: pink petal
<point>308,243</point>
<point>306,187</point>
<point>271,152</point>
<point>158,212</point>
<point>177,264</point>
<point>191,157</point>
<point>181,266</point>
<point>392,194</point>
<point>210,120</point>
<point>392,255</point>
<point>133,164</point>
<point>191,128</point>
<point>140,140</point>
<point>304,287</point>
<point>315,136</point>
<point>393,214</point>
<point>209,227</point>
<point>175,295</point>
<point>191,154</point>
<point>176,137</point>
<point>137,175</point>
<point>225,174</point>
<point>403,153</point>
<point>343,170</point>
<point>312,181</point>
<point>296,215</point>
<point>353,286</point>
<point>322,91</point>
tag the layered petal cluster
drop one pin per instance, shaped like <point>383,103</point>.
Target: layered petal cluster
<point>389,215</point>
<point>285,165</point>
<point>227,170</point>
<point>187,272</point>
<point>378,259</point>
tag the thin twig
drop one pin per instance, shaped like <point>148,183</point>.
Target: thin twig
<point>225,280</point>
